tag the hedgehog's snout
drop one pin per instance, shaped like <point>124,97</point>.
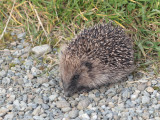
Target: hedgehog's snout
<point>67,93</point>
<point>68,90</point>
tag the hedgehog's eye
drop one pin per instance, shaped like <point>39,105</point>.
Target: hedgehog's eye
<point>75,77</point>
<point>88,65</point>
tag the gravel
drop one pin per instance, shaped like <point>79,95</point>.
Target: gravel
<point>29,89</point>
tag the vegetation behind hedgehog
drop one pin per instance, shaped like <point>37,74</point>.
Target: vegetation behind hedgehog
<point>98,55</point>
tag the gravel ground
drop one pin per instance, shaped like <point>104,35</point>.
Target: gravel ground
<point>28,91</point>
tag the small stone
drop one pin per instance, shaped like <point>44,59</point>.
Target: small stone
<point>11,98</point>
<point>157,118</point>
<point>9,116</point>
<point>53,97</point>
<point>145,115</point>
<point>45,99</point>
<point>149,89</point>
<point>73,114</point>
<point>19,81</point>
<point>20,47</point>
<point>62,104</point>
<point>126,94</point>
<point>111,104</point>
<point>1,61</point>
<point>40,50</point>
<point>83,104</point>
<point>32,105</point>
<point>3,73</point>
<point>16,61</point>
<point>23,105</point>
<point>16,104</point>
<point>9,106</point>
<point>45,106</point>
<point>28,62</point>
<point>6,80</point>
<point>6,53</point>
<point>13,43</point>
<point>66,109</point>
<point>141,86</point>
<point>121,106</point>
<point>154,82</point>
<point>25,97</point>
<point>84,116</point>
<point>38,118</point>
<point>135,95</point>
<point>3,111</point>
<point>36,111</point>
<point>94,116</point>
<point>92,95</point>
<point>74,103</point>
<point>145,99</point>
<point>30,76</point>
<point>110,115</point>
<point>45,85</point>
<point>35,71</point>
<point>2,91</point>
<point>42,80</point>
<point>21,35</point>
<point>38,100</point>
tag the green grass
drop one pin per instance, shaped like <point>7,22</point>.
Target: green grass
<point>62,19</point>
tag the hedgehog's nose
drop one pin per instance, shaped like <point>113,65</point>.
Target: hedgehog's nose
<point>67,94</point>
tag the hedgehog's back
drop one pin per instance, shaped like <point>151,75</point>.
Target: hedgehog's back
<point>105,42</point>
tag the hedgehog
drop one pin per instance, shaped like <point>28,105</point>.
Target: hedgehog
<point>99,55</point>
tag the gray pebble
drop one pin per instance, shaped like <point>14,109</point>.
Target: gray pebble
<point>45,99</point>
<point>16,104</point>
<point>20,47</point>
<point>84,117</point>
<point>62,104</point>
<point>145,99</point>
<point>11,98</point>
<point>149,89</point>
<point>6,80</point>
<point>38,118</point>
<point>3,111</point>
<point>33,105</point>
<point>142,86</point>
<point>1,61</point>
<point>40,50</point>
<point>126,94</point>
<point>3,73</point>
<point>45,106</point>
<point>53,97</point>
<point>36,111</point>
<point>42,80</point>
<point>21,35</point>
<point>9,116</point>
<point>111,104</point>
<point>83,104</point>
<point>73,114</point>
<point>66,109</point>
<point>2,91</point>
<point>16,61</point>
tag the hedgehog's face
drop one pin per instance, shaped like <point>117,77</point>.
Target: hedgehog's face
<point>74,74</point>
<point>75,78</point>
